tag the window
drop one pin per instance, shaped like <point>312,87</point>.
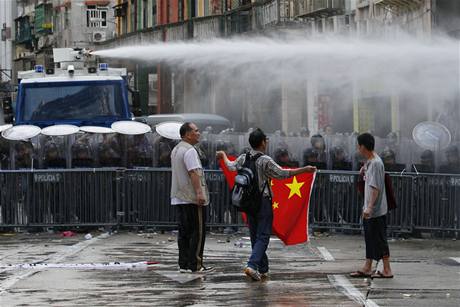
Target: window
<point>66,18</point>
<point>154,14</point>
<point>133,16</point>
<point>193,9</point>
<point>23,30</point>
<point>96,16</point>
<point>168,11</point>
<point>78,101</point>
<point>145,19</point>
<point>181,10</point>
<point>43,20</point>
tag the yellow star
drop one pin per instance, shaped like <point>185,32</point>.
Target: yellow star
<point>295,188</point>
<point>271,182</point>
<point>275,205</point>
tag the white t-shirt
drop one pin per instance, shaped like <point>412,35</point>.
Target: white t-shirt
<point>374,177</point>
<point>192,161</point>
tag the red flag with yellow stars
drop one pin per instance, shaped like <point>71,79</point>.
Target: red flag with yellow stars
<point>229,175</point>
<point>291,198</point>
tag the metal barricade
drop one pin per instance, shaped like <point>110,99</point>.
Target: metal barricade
<point>437,203</point>
<point>401,219</point>
<point>220,211</point>
<point>335,201</point>
<point>15,198</point>
<point>58,197</point>
<point>147,199</point>
<point>141,197</point>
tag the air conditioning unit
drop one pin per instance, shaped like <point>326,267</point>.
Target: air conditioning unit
<point>99,36</point>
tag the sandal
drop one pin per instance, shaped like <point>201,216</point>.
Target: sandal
<point>359,274</point>
<point>379,274</point>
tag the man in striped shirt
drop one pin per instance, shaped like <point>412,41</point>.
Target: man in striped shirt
<point>260,222</point>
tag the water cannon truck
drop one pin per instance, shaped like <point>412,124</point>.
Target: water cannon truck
<point>76,91</point>
<point>77,105</point>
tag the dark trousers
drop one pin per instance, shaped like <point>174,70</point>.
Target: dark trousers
<point>260,229</point>
<point>375,236</point>
<point>191,235</point>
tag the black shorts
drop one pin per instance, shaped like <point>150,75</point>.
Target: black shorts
<point>375,236</point>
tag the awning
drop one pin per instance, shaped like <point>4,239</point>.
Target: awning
<point>97,2</point>
<point>22,17</point>
<point>120,5</point>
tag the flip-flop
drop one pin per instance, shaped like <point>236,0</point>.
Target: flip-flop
<point>359,274</point>
<point>379,274</point>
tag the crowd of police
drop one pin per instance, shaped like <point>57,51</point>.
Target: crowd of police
<point>333,151</point>
<point>83,150</point>
<point>338,152</point>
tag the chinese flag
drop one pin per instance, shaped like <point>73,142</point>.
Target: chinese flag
<point>291,198</point>
<point>229,175</point>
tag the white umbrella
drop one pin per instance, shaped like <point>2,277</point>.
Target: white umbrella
<point>96,129</point>
<point>60,130</point>
<point>130,127</point>
<point>4,127</point>
<point>21,132</point>
<point>169,130</point>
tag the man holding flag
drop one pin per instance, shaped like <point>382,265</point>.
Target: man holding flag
<point>260,223</point>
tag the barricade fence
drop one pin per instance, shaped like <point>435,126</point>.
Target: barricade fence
<point>140,197</point>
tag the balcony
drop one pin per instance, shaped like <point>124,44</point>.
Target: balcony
<point>23,30</point>
<point>237,4</point>
<point>409,4</point>
<point>180,31</point>
<point>177,31</point>
<point>237,22</point>
<point>208,27</point>
<point>266,14</point>
<point>320,8</point>
<point>43,19</point>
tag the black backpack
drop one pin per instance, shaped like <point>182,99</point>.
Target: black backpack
<point>246,194</point>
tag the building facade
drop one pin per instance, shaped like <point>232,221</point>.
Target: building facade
<point>7,15</point>
<point>41,25</point>
<point>291,103</point>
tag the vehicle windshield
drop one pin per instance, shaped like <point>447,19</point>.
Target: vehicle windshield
<point>83,101</point>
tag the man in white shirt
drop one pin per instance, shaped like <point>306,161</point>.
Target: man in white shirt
<point>375,210</point>
<point>189,194</point>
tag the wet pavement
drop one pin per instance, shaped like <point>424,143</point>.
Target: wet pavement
<point>110,270</point>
